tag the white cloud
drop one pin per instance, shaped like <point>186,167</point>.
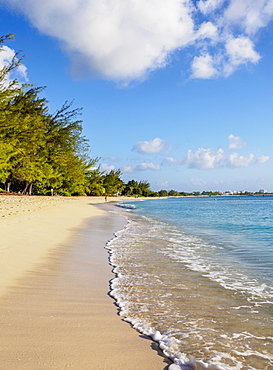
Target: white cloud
<point>111,158</point>
<point>250,15</point>
<point>107,167</point>
<point>208,6</point>
<point>235,142</point>
<point>147,166</point>
<point>207,30</point>
<point>237,52</point>
<point>262,159</point>
<point>149,147</point>
<point>117,39</point>
<point>240,51</point>
<point>124,40</point>
<point>6,56</point>
<point>204,158</point>
<point>204,67</point>
<point>236,160</point>
<point>169,161</point>
<point>127,169</point>
<point>209,159</point>
<point>140,167</point>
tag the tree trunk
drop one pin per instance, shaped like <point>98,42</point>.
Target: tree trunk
<point>25,189</point>
<point>30,189</point>
<point>7,186</point>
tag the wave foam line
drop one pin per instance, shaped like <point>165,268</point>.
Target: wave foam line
<point>165,343</point>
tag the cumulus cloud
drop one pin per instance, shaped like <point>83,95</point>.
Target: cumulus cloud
<point>149,147</point>
<point>235,142</point>
<point>169,161</point>
<point>204,67</point>
<point>204,158</point>
<point>111,158</point>
<point>207,30</point>
<point>140,167</point>
<point>237,23</point>
<point>147,166</point>
<point>6,56</point>
<point>237,52</point>
<point>127,169</point>
<point>124,40</point>
<point>250,15</point>
<point>107,167</point>
<point>208,6</point>
<point>236,160</point>
<point>119,39</point>
<point>209,159</point>
<point>262,159</point>
<point>240,51</point>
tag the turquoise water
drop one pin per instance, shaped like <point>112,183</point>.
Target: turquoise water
<point>196,274</point>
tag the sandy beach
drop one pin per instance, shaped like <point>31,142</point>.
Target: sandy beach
<point>55,311</point>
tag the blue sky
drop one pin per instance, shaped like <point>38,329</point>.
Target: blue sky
<point>179,93</point>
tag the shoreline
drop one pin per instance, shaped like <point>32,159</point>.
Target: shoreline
<point>55,308</point>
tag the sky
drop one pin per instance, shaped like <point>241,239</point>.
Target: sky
<point>175,92</point>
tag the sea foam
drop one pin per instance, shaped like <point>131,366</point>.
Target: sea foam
<point>161,271</point>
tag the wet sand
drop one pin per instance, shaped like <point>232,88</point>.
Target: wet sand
<point>55,312</point>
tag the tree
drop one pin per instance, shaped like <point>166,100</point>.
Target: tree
<point>173,193</point>
<point>39,150</point>
<point>113,183</point>
<point>67,150</point>
<point>163,193</point>
<point>144,188</point>
<point>131,188</point>
<point>7,151</point>
<point>196,193</point>
<point>8,89</point>
<point>94,182</point>
<point>22,127</point>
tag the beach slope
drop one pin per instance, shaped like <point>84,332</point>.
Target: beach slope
<point>55,311</point>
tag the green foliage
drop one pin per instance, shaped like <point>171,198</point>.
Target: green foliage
<point>210,193</point>
<point>39,150</point>
<point>64,193</point>
<point>94,182</point>
<point>136,189</point>
<point>112,183</point>
<point>131,188</point>
<point>173,193</point>
<point>163,193</point>
<point>153,194</point>
<point>144,188</point>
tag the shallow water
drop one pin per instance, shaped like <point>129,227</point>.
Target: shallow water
<point>196,275</point>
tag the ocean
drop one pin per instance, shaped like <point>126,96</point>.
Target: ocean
<point>196,275</point>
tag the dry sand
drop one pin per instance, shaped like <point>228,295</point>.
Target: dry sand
<point>55,312</point>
